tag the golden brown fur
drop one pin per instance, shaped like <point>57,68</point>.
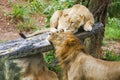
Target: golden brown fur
<point>77,65</point>
<point>70,19</point>
<point>33,68</point>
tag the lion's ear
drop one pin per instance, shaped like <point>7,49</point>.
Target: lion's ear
<point>70,42</point>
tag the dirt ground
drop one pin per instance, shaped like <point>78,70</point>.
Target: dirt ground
<point>9,32</point>
<point>7,27</point>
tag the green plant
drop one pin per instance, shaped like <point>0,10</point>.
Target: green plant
<point>112,29</point>
<point>27,25</point>
<point>49,58</point>
<point>37,6</point>
<point>104,42</point>
<point>110,56</point>
<point>114,9</point>
<point>19,12</point>
<point>22,13</point>
<point>56,5</point>
<point>29,0</point>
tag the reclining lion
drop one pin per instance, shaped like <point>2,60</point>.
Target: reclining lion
<point>70,19</point>
<point>77,65</point>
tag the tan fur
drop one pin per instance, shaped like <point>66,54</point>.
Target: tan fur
<point>77,65</point>
<point>70,20</point>
<point>73,18</point>
<point>33,68</point>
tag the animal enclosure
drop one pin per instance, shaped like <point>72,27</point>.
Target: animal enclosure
<point>24,48</point>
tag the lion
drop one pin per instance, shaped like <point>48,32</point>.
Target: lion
<point>76,64</point>
<point>70,19</point>
<point>33,68</point>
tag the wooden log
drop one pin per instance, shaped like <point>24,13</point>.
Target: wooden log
<point>37,44</point>
<point>24,47</point>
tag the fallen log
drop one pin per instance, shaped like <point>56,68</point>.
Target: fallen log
<point>38,44</point>
<point>25,47</point>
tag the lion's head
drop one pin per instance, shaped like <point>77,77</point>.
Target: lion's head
<point>67,47</point>
<point>70,22</point>
<point>64,40</point>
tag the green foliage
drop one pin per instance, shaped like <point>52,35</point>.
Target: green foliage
<point>22,13</point>
<point>104,42</point>
<point>112,32</point>
<point>29,0</point>
<point>19,12</point>
<point>110,56</point>
<point>49,58</point>
<point>114,9</point>
<point>47,20</point>
<point>37,6</point>
<point>57,5</point>
<point>112,29</point>
<point>53,6</point>
<point>27,25</point>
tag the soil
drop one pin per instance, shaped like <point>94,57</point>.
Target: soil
<point>9,32</point>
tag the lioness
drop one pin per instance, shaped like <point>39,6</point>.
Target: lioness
<point>69,20</point>
<point>77,65</point>
<point>33,68</point>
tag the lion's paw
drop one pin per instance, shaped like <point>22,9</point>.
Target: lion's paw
<point>87,27</point>
<point>53,30</point>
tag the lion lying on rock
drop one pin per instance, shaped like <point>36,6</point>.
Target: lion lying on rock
<point>77,65</point>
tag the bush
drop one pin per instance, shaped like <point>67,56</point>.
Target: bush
<point>51,64</point>
<point>114,9</point>
<point>28,25</point>
<point>19,12</point>
<point>110,56</point>
<point>112,29</point>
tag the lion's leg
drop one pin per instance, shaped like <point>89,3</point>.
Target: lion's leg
<point>64,75</point>
<point>54,19</point>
